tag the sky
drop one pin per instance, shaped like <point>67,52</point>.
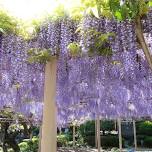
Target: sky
<point>28,9</point>
<point>33,9</point>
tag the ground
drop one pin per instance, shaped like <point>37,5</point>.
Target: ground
<point>94,150</point>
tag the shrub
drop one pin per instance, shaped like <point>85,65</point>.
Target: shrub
<point>109,141</point>
<point>107,126</point>
<point>87,129</point>
<point>90,140</point>
<point>106,141</point>
<point>29,145</point>
<point>63,140</point>
<point>140,138</point>
<point>148,142</point>
<point>23,146</point>
<point>145,128</point>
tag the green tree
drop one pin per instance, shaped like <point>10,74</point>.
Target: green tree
<point>107,126</point>
<point>12,125</point>
<point>8,24</point>
<point>145,128</point>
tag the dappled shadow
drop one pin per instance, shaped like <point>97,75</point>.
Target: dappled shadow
<point>94,150</point>
<point>76,150</point>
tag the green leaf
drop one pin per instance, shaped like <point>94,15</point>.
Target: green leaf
<point>118,15</point>
<point>38,55</point>
<point>150,3</point>
<point>2,30</point>
<point>74,49</point>
<point>95,12</point>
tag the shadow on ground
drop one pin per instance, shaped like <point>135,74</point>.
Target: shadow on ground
<point>94,150</point>
<point>75,150</point>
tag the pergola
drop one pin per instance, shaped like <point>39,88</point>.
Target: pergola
<point>131,64</point>
<point>116,86</point>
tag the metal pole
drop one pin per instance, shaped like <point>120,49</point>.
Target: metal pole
<point>98,133</point>
<point>49,126</point>
<point>135,135</point>
<point>120,134</point>
<point>73,135</point>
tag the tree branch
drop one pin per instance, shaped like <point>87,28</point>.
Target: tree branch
<point>141,39</point>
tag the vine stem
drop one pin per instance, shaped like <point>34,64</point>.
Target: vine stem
<point>141,39</point>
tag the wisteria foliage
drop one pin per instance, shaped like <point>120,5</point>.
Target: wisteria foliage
<point>109,86</point>
<point>20,82</point>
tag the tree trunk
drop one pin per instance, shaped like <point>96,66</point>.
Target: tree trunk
<point>142,42</point>
<point>4,127</point>
<point>13,144</point>
<point>25,131</point>
<point>31,132</point>
<point>4,148</point>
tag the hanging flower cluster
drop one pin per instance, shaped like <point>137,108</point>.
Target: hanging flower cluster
<point>21,83</point>
<point>112,85</point>
<point>109,86</point>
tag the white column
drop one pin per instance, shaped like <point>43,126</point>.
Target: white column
<point>49,127</point>
<point>40,136</point>
<point>73,135</point>
<point>95,133</point>
<point>135,135</point>
<point>98,134</point>
<point>120,134</point>
<point>115,121</point>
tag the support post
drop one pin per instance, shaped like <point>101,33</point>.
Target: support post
<point>98,133</point>
<point>120,134</point>
<point>49,127</point>
<point>40,136</point>
<point>115,121</point>
<point>73,135</point>
<point>95,133</point>
<point>135,135</point>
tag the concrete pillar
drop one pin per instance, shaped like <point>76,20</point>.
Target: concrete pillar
<point>40,136</point>
<point>98,134</point>
<point>115,121</point>
<point>49,127</point>
<point>120,134</point>
<point>135,135</point>
<point>73,135</point>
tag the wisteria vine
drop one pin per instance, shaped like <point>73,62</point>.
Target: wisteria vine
<point>111,86</point>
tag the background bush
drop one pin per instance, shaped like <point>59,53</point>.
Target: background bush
<point>145,128</point>
<point>148,142</point>
<point>29,145</point>
<point>63,140</point>
<point>108,141</point>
